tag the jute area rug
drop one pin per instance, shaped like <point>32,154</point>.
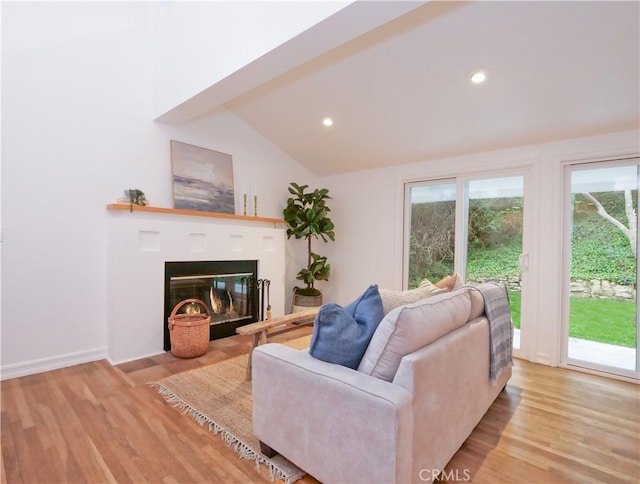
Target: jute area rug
<point>219,396</point>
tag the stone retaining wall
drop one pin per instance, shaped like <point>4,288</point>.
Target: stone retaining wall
<point>580,288</point>
<point>512,283</point>
<point>602,289</point>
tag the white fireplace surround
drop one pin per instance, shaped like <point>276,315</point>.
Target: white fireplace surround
<point>139,245</point>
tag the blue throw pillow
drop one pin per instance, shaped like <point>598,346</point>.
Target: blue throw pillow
<point>341,335</point>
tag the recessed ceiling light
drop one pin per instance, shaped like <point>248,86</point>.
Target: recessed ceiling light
<point>478,76</point>
<point>327,122</point>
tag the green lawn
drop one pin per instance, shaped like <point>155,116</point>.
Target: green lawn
<point>603,320</point>
<point>514,307</point>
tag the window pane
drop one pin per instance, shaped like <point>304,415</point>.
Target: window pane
<point>432,232</point>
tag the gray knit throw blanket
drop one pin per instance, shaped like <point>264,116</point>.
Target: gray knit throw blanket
<point>496,307</point>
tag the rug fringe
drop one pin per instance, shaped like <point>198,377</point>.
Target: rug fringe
<point>239,447</point>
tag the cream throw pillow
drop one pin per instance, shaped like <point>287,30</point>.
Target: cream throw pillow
<point>426,283</point>
<point>393,299</point>
<point>451,282</point>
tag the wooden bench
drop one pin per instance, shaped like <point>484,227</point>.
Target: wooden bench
<point>260,330</point>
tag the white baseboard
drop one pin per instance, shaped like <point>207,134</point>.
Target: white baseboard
<point>52,363</point>
<point>113,362</point>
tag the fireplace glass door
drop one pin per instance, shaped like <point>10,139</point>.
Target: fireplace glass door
<point>226,288</point>
<point>225,295</point>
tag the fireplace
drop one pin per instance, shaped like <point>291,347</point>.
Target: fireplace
<point>227,288</point>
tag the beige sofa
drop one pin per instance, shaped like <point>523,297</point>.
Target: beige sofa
<point>421,387</point>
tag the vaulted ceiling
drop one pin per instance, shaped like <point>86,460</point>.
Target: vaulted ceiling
<point>401,93</point>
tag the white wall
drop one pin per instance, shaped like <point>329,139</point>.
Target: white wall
<point>1,232</point>
<point>77,129</point>
<point>367,212</point>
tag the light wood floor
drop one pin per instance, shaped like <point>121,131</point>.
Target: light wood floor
<point>94,423</point>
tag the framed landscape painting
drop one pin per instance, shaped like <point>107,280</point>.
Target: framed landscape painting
<point>202,179</point>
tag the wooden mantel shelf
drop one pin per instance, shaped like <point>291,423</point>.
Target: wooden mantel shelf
<point>196,213</point>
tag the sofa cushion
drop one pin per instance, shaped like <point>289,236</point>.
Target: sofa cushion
<point>408,328</point>
<point>341,335</point>
<point>477,303</point>
<point>392,299</point>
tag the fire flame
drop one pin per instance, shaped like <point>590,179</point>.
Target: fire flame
<point>192,308</point>
<point>231,310</point>
<point>217,304</point>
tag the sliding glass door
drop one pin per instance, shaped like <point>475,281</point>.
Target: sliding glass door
<point>473,226</point>
<point>601,301</point>
<point>494,237</point>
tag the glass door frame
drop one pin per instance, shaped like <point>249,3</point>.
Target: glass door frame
<point>527,310</point>
<point>565,360</point>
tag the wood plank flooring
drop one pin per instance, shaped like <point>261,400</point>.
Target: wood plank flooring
<point>95,423</point>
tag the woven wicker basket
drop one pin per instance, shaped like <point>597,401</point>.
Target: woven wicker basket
<point>189,333</point>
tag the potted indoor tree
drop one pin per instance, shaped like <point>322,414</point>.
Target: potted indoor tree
<point>306,217</point>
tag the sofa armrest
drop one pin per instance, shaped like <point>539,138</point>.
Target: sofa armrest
<point>337,424</point>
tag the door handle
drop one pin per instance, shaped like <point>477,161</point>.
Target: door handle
<point>523,261</point>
